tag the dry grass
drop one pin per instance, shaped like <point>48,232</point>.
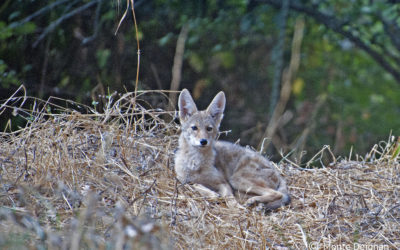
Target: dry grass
<point>71,180</point>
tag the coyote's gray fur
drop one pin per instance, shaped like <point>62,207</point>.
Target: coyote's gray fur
<point>223,167</point>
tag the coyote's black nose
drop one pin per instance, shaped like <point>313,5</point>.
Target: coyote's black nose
<point>203,142</point>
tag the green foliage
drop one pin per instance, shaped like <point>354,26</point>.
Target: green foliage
<point>5,31</point>
<point>7,77</point>
<point>24,29</point>
<point>362,95</point>
<point>196,62</point>
<point>227,59</point>
<point>102,57</point>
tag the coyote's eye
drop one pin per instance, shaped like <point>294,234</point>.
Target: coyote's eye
<point>194,127</point>
<point>209,128</point>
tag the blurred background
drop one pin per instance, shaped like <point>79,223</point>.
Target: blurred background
<point>302,74</point>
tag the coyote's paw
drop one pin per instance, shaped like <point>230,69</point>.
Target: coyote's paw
<point>251,202</point>
<point>206,192</point>
<point>231,202</point>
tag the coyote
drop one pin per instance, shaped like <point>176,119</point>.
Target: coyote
<point>219,167</point>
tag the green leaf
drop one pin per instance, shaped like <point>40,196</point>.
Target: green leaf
<point>102,57</point>
<point>64,81</point>
<point>196,62</point>
<point>227,59</point>
<point>165,39</point>
<point>14,15</point>
<point>26,28</point>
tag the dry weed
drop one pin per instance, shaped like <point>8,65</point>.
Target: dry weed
<point>75,178</point>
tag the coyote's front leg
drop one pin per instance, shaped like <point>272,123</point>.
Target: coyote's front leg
<point>204,191</point>
<point>224,190</point>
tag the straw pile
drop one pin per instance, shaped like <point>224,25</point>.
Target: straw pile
<point>74,178</point>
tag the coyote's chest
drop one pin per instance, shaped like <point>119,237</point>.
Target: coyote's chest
<point>189,165</point>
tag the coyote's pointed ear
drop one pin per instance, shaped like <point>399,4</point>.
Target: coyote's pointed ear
<point>217,107</point>
<point>187,107</point>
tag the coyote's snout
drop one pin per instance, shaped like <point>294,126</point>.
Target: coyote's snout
<point>222,167</point>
